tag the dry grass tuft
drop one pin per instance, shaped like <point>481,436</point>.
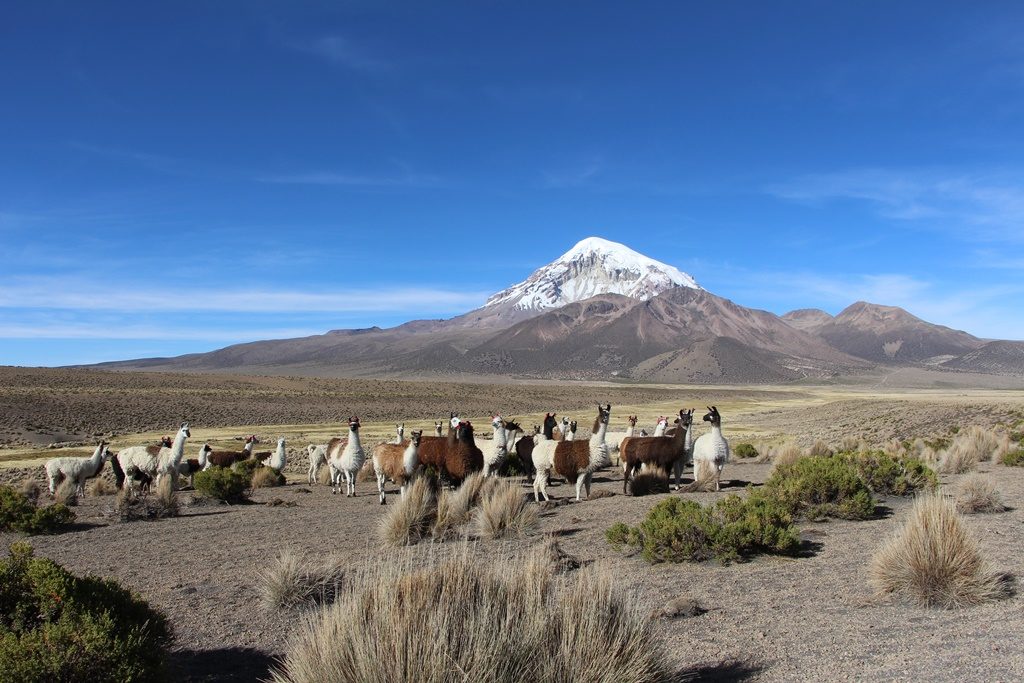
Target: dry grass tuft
<point>971,446</point>
<point>649,481</point>
<point>295,582</point>
<point>366,472</point>
<point>977,493</point>
<point>66,493</point>
<point>786,454</point>
<point>409,520</point>
<point>820,448</point>
<point>455,508</point>
<point>102,486</point>
<point>559,560</point>
<point>164,499</point>
<point>521,624</point>
<point>31,489</point>
<point>323,475</point>
<point>505,512</point>
<point>267,477</point>
<point>933,561</point>
<point>703,478</point>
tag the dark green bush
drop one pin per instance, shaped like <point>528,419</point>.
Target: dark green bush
<point>1013,458</point>
<point>223,484</point>
<point>745,450</point>
<point>885,474</point>
<point>678,530</point>
<point>246,467</point>
<point>55,626</point>
<point>816,488</point>
<point>18,513</point>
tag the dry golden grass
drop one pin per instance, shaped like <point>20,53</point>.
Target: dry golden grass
<point>366,472</point>
<point>455,508</point>
<point>266,477</point>
<point>648,481</point>
<point>461,619</point>
<point>30,489</point>
<point>409,520</point>
<point>786,454</point>
<point>820,448</point>
<point>933,561</point>
<point>704,475</point>
<point>505,512</point>
<point>323,475</point>
<point>976,494</point>
<point>164,499</point>
<point>971,446</point>
<point>66,493</point>
<point>292,581</point>
<point>101,486</point>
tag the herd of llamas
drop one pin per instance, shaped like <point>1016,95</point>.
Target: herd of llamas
<point>551,448</point>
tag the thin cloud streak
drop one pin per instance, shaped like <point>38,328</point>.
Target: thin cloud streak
<point>62,293</point>
<point>63,330</point>
<point>352,180</point>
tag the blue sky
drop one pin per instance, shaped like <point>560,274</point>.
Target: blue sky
<point>176,177</point>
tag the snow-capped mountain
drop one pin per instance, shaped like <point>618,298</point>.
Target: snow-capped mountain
<point>594,266</point>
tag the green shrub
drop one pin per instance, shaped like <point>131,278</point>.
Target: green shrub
<point>678,530</point>
<point>223,484</point>
<point>887,475</point>
<point>246,467</point>
<point>17,513</point>
<point>1013,458</point>
<point>745,450</point>
<point>55,626</point>
<point>816,488</point>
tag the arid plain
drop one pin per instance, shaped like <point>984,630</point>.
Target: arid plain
<point>811,617</point>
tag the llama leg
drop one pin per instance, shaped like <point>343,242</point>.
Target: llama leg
<point>677,469</point>
<point>380,488</point>
<point>536,487</point>
<point>586,483</point>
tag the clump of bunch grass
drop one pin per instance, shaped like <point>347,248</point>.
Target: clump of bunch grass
<point>55,626</point>
<point>323,475</point>
<point>649,481</point>
<point>976,494</point>
<point>409,520</point>
<point>225,484</point>
<point>971,446</point>
<point>820,449</point>
<point>455,508</point>
<point>888,475</point>
<point>101,486</point>
<point>66,493</point>
<point>785,454</point>
<point>463,619</point>
<point>1013,458</point>
<point>266,477</point>
<point>816,488</point>
<point>505,512</point>
<point>132,504</point>
<point>933,561</point>
<point>297,582</point>
<point>31,489</point>
<point>734,528</point>
<point>745,450</point>
<point>19,513</point>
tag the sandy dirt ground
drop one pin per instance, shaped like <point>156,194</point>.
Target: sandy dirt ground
<point>771,619</point>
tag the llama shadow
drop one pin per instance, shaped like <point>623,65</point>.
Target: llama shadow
<point>726,672</point>
<point>558,533</point>
<point>227,664</point>
<point>882,512</point>
<point>75,527</point>
<point>808,548</point>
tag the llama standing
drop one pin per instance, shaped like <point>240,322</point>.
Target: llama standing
<point>170,458</point>
<point>76,469</point>
<point>575,460</point>
<point>317,458</point>
<point>711,451</point>
<point>148,458</point>
<point>346,458</point>
<point>278,460</point>
<point>666,453</point>
<point>496,451</point>
<point>396,462</point>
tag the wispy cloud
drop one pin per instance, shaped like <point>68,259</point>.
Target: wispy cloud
<point>328,178</point>
<point>572,177</point>
<point>990,204</point>
<point>343,52</point>
<point>77,294</point>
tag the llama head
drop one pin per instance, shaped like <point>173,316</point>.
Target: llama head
<point>310,448</point>
<point>549,425</point>
<point>166,442</point>
<point>512,426</point>
<point>572,427</point>
<point>685,418</point>
<point>454,421</point>
<point>280,442</point>
<point>415,436</point>
<point>632,420</point>
<point>353,423</point>
<point>184,430</point>
<point>604,413</point>
<point>496,421</point>
<point>713,417</point>
<point>438,428</point>
<point>464,432</point>
<point>536,430</point>
<point>400,430</point>
<point>252,439</point>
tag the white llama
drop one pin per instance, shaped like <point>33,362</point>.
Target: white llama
<point>346,458</point>
<point>76,469</point>
<point>711,451</point>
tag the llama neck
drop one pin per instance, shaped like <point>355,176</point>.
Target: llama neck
<point>500,437</point>
<point>629,430</point>
<point>602,429</point>
<point>716,431</point>
<point>688,442</point>
<point>280,451</point>
<point>203,460</point>
<point>247,448</point>
<point>96,461</point>
<point>410,458</point>
<point>353,439</point>
<point>178,449</point>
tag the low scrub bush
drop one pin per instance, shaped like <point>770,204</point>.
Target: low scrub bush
<point>466,619</point>
<point>228,485</point>
<point>978,494</point>
<point>816,488</point>
<point>678,530</point>
<point>18,513</point>
<point>266,477</point>
<point>293,581</point>
<point>246,467</point>
<point>887,475</point>
<point>1013,458</point>
<point>745,450</point>
<point>55,626</point>
<point>933,561</point>
<point>131,504</point>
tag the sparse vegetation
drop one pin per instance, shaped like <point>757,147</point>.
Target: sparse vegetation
<point>222,484</point>
<point>588,630</point>
<point>505,512</point>
<point>933,561</point>
<point>977,494</point>
<point>293,581</point>
<point>18,513</point>
<point>816,488</point>
<point>266,477</point>
<point>55,626</point>
<point>745,450</point>
<point>1013,458</point>
<point>649,481</point>
<point>409,520</point>
<point>887,475</point>
<point>820,448</point>
<point>678,530</point>
<point>131,504</point>
<point>31,490</point>
<point>101,486</point>
<point>66,493</point>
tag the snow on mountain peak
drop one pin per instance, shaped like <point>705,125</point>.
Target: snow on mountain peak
<point>594,266</point>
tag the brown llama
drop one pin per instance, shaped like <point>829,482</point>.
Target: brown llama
<point>224,458</point>
<point>663,452</point>
<point>574,460</point>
